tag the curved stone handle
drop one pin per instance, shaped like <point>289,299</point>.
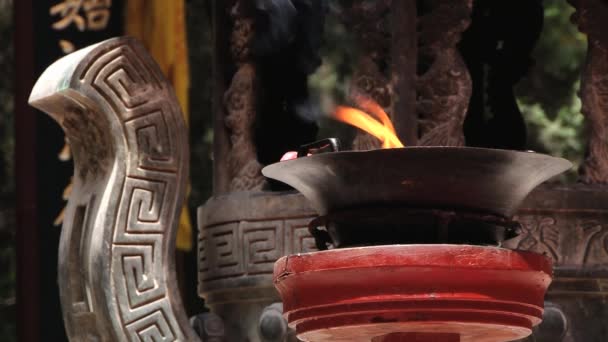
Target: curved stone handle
<point>129,142</point>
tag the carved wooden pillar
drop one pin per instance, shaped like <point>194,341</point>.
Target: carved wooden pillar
<point>411,66</point>
<point>235,160</point>
<point>444,86</point>
<point>591,17</point>
<point>244,170</point>
<point>368,20</point>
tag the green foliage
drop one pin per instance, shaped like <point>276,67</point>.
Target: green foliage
<point>548,95</point>
<point>559,136</point>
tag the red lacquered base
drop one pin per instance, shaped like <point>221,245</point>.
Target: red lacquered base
<point>413,293</point>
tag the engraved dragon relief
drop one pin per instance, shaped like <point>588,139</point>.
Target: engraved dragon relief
<point>116,255</point>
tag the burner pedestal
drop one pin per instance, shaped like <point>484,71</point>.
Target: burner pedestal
<point>413,293</point>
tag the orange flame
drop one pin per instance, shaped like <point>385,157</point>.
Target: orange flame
<point>381,126</point>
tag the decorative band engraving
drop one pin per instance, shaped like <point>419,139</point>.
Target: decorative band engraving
<point>250,247</point>
<point>131,157</point>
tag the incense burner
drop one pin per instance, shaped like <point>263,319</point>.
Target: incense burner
<point>418,211</point>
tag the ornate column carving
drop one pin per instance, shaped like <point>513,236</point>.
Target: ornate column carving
<point>442,83</point>
<point>591,17</point>
<point>240,103</point>
<point>129,141</point>
<point>368,22</point>
<point>444,86</point>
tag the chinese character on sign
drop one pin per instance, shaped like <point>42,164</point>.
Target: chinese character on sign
<point>85,15</point>
<point>96,12</point>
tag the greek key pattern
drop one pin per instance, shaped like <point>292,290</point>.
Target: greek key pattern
<point>250,247</point>
<point>138,180</point>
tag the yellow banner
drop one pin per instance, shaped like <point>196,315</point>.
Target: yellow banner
<point>160,25</point>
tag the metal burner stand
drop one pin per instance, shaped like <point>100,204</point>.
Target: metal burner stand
<point>393,290</point>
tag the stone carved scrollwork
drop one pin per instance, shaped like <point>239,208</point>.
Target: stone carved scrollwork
<point>591,17</point>
<point>444,88</point>
<point>569,241</point>
<point>129,142</point>
<point>239,100</point>
<point>367,19</point>
<point>540,234</point>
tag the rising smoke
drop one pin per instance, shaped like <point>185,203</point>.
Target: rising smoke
<point>289,34</point>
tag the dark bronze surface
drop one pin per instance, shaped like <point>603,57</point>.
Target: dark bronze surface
<point>452,178</point>
<point>400,225</point>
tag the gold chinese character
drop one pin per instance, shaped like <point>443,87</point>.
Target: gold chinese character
<point>66,47</point>
<point>68,10</point>
<point>98,13</point>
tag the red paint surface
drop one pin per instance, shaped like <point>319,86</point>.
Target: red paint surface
<point>418,337</point>
<point>482,294</point>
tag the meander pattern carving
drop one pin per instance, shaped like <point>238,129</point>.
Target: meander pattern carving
<point>235,249</point>
<point>140,201</point>
<point>148,196</point>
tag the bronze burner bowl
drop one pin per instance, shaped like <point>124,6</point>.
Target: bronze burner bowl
<point>380,187</point>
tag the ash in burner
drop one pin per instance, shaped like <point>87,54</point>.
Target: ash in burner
<point>288,37</point>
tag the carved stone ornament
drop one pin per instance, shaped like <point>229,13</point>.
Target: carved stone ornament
<point>367,21</point>
<point>444,88</point>
<point>116,255</point>
<point>591,16</point>
<point>241,235</point>
<point>239,100</point>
